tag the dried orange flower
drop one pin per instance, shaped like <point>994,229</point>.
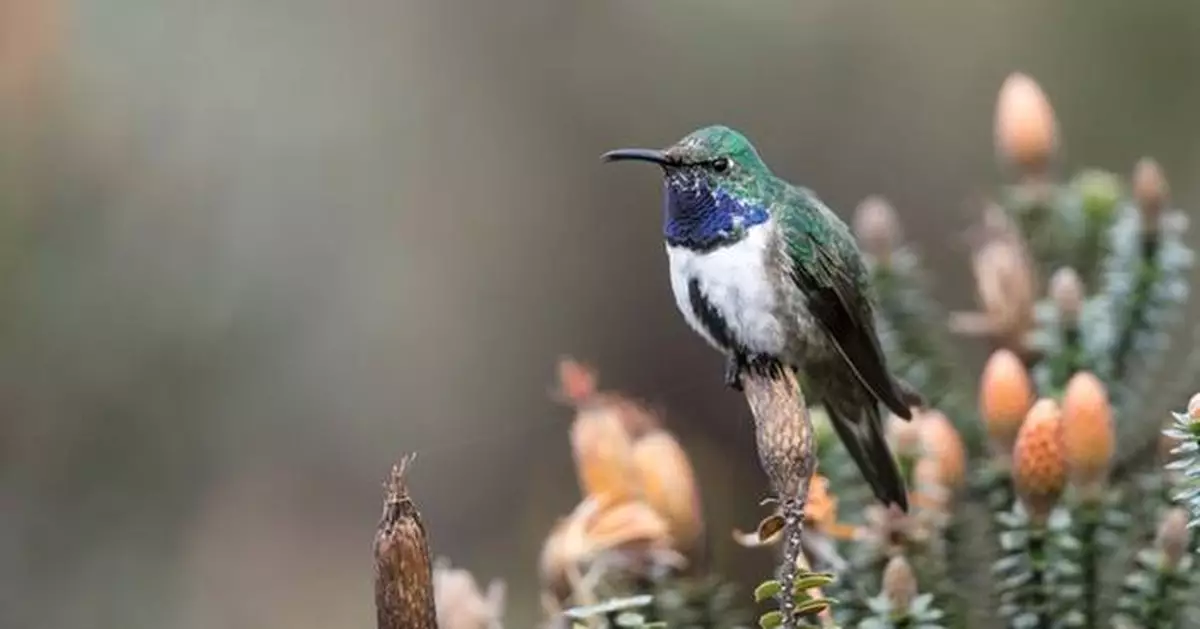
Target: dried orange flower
<point>1087,430</point>
<point>625,523</point>
<point>592,530</point>
<point>577,387</point>
<point>668,485</point>
<point>1039,460</point>
<point>821,508</point>
<point>603,451</point>
<point>943,445</point>
<point>1005,395</point>
<point>1005,282</point>
<point>1026,130</point>
<point>1150,190</point>
<point>876,227</point>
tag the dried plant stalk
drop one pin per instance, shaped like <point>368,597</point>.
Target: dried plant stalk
<point>785,449</point>
<point>403,570</point>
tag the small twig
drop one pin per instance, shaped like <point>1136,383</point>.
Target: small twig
<point>785,450</point>
<point>403,570</point>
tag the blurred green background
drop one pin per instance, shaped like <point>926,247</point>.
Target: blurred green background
<point>251,252</point>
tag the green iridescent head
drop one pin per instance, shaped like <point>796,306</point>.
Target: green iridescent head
<point>719,149</point>
<point>715,186</point>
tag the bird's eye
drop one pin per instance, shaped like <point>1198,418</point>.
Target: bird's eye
<point>720,164</point>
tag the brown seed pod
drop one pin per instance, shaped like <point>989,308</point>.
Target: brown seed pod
<point>404,592</point>
<point>1039,459</point>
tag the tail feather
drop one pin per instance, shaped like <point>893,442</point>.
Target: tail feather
<point>909,395</point>
<point>860,428</point>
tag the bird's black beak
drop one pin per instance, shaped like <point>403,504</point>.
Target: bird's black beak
<point>644,155</point>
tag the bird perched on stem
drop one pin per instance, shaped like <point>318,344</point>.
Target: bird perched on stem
<point>772,278</point>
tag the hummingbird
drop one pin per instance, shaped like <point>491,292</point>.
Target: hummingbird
<point>768,275</point>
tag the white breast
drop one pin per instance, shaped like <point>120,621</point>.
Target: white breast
<point>735,282</point>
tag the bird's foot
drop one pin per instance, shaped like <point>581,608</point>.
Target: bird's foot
<point>764,366</point>
<point>733,372</point>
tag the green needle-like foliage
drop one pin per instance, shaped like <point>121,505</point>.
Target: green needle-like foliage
<point>1160,590</point>
<point>618,613</point>
<point>1040,580</point>
<point>1186,432</point>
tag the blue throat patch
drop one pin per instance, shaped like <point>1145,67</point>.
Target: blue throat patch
<point>701,219</point>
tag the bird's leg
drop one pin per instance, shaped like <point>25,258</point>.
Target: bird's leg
<point>734,363</point>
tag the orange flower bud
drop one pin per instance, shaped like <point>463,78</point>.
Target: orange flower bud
<point>1088,436</point>
<point>1026,130</point>
<point>603,453</point>
<point>1150,190</point>
<point>1039,461</point>
<point>1193,408</point>
<point>1005,395</point>
<point>876,227</point>
<point>668,485</point>
<point>943,445</point>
